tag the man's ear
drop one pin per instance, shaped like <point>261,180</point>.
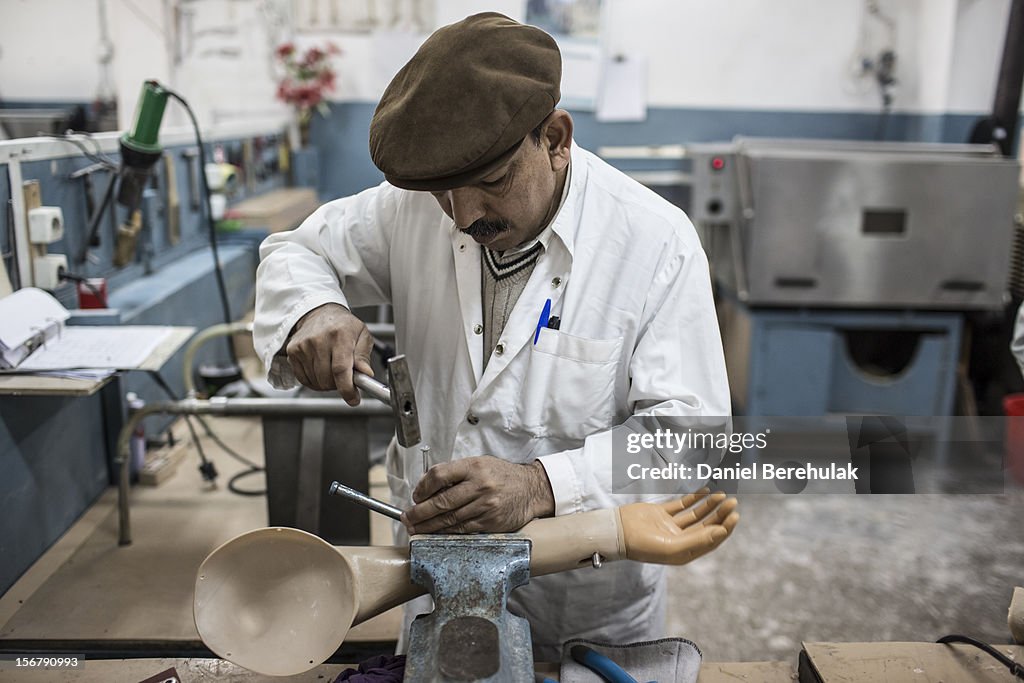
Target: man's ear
<point>558,138</point>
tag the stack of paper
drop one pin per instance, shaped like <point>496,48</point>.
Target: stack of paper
<point>118,348</point>
<point>34,338</point>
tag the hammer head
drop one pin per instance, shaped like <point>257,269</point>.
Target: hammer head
<point>403,401</point>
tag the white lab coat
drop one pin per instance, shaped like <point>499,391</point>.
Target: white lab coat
<point>1017,342</point>
<point>625,273</point>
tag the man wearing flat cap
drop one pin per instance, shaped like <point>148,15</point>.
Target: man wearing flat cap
<point>541,297</point>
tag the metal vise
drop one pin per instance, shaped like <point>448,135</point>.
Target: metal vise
<point>470,635</point>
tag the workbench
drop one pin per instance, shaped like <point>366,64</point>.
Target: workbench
<point>819,662</point>
<point>219,671</point>
<point>28,384</point>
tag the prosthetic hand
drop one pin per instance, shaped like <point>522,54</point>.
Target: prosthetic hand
<point>324,347</point>
<point>674,533</point>
<point>679,531</point>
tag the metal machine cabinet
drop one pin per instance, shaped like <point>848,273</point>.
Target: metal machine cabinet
<point>844,268</point>
<point>857,225</point>
<point>807,363</point>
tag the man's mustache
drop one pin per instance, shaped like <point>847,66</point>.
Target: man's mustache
<point>486,229</point>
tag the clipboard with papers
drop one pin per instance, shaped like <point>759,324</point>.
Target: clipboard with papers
<point>35,338</point>
<point>28,319</point>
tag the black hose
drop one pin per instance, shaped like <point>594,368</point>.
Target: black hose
<point>72,277</point>
<point>252,466</point>
<point>94,220</point>
<point>205,466</point>
<point>211,226</point>
<point>1016,668</point>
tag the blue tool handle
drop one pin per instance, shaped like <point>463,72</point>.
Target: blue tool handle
<point>601,665</point>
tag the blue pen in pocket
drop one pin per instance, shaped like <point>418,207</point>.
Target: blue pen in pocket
<point>545,314</point>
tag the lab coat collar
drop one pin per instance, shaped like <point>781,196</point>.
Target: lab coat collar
<point>548,233</point>
<point>564,224</point>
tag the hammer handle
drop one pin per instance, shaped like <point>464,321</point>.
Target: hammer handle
<point>371,387</point>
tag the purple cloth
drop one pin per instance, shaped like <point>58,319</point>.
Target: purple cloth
<point>379,669</point>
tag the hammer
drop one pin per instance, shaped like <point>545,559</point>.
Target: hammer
<point>398,395</point>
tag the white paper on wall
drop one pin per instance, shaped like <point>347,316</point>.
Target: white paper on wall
<point>623,92</point>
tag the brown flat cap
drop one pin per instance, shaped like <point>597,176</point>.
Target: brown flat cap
<point>464,103</point>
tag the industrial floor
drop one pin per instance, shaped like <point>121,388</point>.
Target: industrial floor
<point>853,569</point>
<point>86,587</point>
<point>801,568</point>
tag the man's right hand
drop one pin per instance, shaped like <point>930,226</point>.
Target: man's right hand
<point>324,347</point>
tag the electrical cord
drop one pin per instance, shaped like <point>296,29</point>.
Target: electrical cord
<point>11,256</point>
<point>211,227</point>
<point>224,447</point>
<point>96,156</point>
<point>63,274</point>
<point>1016,668</point>
<point>253,468</point>
<point>206,466</point>
<point>94,221</point>
<point>233,483</point>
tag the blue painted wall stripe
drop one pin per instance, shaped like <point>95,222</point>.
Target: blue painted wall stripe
<point>345,166</point>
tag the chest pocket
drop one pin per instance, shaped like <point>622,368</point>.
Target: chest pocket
<point>568,389</point>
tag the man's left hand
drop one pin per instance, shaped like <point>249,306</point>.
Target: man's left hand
<point>480,494</point>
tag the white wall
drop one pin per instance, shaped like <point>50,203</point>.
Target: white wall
<point>796,54</point>
<point>141,53</point>
<point>48,49</point>
<point>218,55</point>
<point>756,54</point>
<point>369,62</point>
<point>748,54</point>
